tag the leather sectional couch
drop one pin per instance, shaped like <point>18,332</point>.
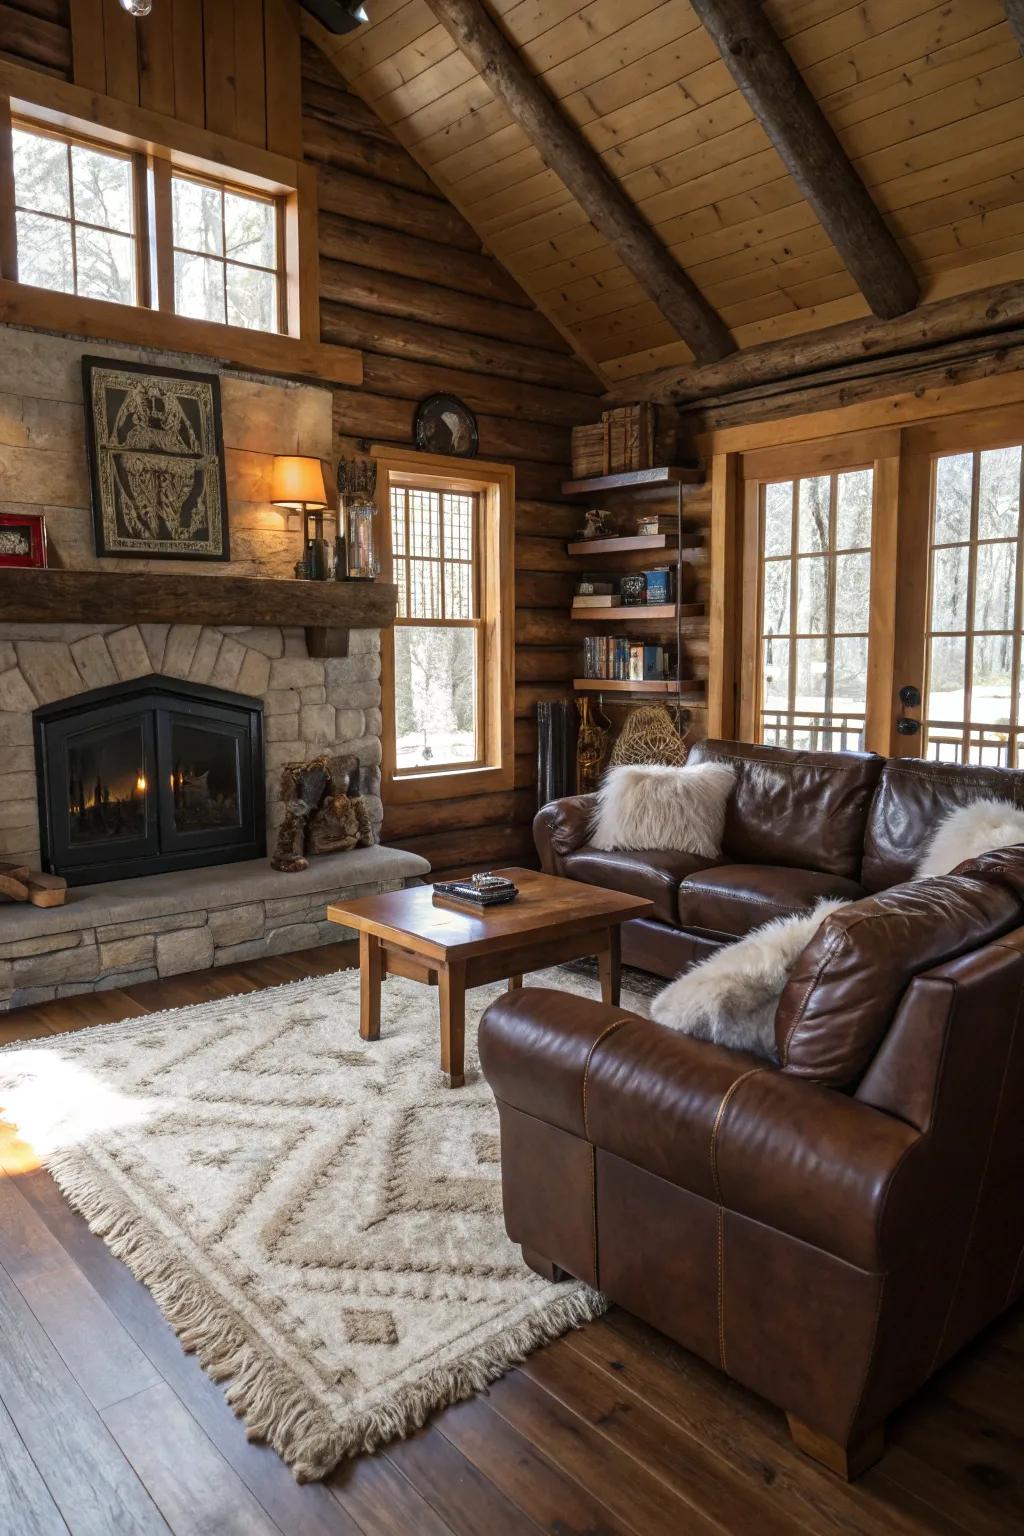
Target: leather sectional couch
<point>800,826</point>
<point>831,1228</point>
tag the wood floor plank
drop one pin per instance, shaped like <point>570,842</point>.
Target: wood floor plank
<point>452,1486</point>
<point>704,1403</point>
<point>188,1480</point>
<point>555,1502</point>
<point>100,1354</point>
<point>88,1478</point>
<point>26,1506</point>
<point>381,1501</point>
<point>298,1510</point>
<point>631,1493</point>
<point>662,1447</point>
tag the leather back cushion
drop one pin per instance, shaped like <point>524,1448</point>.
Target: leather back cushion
<point>804,809</point>
<point>845,988</point>
<point>912,797</point>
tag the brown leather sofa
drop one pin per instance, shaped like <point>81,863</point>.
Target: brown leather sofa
<point>799,826</point>
<point>828,1230</point>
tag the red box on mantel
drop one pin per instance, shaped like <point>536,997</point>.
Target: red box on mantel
<point>23,539</point>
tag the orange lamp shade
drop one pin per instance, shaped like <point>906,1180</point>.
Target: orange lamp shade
<point>297,482</point>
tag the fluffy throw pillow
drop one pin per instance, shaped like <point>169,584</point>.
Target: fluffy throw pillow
<point>731,997</point>
<point>969,831</point>
<point>682,809</point>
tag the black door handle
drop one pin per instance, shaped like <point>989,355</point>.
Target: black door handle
<point>910,696</point>
<point>907,727</point>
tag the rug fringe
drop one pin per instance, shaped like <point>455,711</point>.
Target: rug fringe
<point>276,1407</point>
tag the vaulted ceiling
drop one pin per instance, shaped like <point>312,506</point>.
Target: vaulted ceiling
<point>924,99</point>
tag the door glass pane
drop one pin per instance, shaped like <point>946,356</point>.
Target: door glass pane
<point>972,693</point>
<point>814,610</point>
<point>813,513</point>
<point>107,785</point>
<point>204,778</point>
<point>778,518</point>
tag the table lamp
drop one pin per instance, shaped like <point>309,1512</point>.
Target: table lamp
<point>299,482</point>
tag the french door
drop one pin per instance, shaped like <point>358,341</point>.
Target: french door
<point>883,593</point>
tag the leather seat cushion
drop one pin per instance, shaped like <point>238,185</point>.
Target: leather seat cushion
<point>731,899</point>
<point>651,873</point>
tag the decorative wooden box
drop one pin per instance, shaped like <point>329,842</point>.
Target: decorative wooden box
<point>629,437</point>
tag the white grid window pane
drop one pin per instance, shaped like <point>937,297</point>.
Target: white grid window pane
<point>197,216</point>
<point>198,287</point>
<point>103,188</point>
<point>41,179</point>
<point>106,265</point>
<point>45,255</point>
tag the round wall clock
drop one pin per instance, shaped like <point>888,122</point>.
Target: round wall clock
<point>444,425</point>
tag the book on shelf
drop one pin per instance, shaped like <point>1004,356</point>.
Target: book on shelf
<point>600,600</point>
<point>596,586</point>
<point>618,659</point>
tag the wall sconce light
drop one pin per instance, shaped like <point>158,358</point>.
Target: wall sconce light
<point>299,483</point>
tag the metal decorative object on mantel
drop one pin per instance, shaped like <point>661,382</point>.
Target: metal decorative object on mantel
<point>355,552</point>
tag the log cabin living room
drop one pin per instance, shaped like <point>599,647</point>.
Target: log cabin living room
<point>511,767</point>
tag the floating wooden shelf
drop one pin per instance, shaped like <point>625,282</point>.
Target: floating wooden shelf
<point>622,544</point>
<point>327,610</point>
<point>663,686</point>
<point>667,477</point>
<point>628,613</point>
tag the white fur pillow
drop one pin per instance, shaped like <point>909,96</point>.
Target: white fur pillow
<point>731,997</point>
<point>971,830</point>
<point>682,809</point>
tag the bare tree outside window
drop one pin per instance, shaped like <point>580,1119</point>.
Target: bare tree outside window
<point>225,255</point>
<point>438,640</point>
<point>815,538</point>
<point>74,216</point>
<point>972,694</point>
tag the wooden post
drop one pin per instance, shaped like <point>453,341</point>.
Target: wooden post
<point>1015,16</point>
<point>586,176</point>
<point>758,61</point>
<point>724,609</point>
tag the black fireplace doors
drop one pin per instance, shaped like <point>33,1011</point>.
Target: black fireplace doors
<point>149,775</point>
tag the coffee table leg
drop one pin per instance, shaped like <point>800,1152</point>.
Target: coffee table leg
<point>514,982</point>
<point>609,967</point>
<point>451,992</point>
<point>370,970</point>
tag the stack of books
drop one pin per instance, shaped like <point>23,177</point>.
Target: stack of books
<point>477,894</point>
<point>619,659</point>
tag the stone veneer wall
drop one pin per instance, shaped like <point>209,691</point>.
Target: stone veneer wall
<point>310,705</point>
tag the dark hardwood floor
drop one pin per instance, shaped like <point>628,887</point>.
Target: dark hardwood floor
<point>106,1426</point>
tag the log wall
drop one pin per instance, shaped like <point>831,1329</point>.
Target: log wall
<point>37,33</point>
<point>403,277</point>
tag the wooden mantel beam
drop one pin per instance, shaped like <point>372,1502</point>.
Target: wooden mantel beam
<point>584,173</point>
<point>1015,16</point>
<point>759,63</point>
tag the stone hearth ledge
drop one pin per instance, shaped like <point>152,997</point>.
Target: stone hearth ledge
<point>123,932</point>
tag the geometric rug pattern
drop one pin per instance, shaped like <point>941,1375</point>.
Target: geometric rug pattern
<point>317,1216</point>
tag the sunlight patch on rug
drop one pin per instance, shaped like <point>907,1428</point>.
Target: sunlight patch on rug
<point>317,1216</point>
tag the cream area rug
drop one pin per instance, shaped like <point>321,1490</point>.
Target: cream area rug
<point>317,1216</point>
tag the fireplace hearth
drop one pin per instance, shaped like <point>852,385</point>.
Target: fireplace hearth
<point>149,775</point>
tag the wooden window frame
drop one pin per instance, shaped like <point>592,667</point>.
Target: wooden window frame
<point>494,484</point>
<point>164,145</point>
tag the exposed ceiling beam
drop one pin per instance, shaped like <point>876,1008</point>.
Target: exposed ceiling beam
<point>773,86</point>
<point>1015,16</point>
<point>984,312</point>
<point>583,171</point>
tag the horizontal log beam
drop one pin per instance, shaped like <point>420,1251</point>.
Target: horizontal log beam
<point>483,393</point>
<point>985,312</point>
<point>759,63</point>
<point>388,250</point>
<point>440,345</point>
<point>587,177</point>
<point>409,298</point>
<point>377,202</point>
<point>367,156</point>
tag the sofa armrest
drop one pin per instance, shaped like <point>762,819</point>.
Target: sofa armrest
<point>725,1125</point>
<point>560,826</point>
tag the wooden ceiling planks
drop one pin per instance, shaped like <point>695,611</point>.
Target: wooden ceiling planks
<point>922,96</point>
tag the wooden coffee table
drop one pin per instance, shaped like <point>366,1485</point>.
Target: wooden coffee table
<point>402,933</point>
